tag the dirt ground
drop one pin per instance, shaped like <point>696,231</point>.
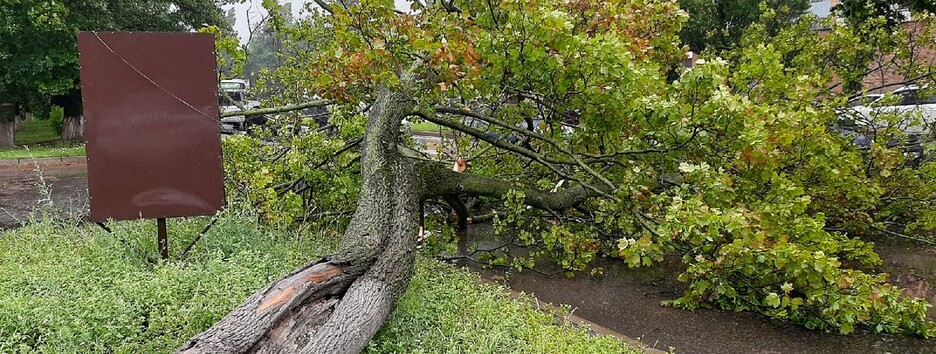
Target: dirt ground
<point>27,189</point>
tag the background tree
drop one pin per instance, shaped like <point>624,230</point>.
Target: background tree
<point>264,54</point>
<point>264,47</point>
<point>893,11</point>
<point>718,25</point>
<point>7,124</point>
<point>39,46</point>
<point>738,171</point>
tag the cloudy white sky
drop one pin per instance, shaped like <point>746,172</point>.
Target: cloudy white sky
<point>251,12</point>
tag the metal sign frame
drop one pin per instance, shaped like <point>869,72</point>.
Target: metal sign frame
<point>152,125</point>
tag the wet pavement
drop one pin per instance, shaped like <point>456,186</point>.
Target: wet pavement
<point>628,302</point>
<point>27,189</point>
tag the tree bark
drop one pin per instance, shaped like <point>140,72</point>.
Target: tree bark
<point>439,180</point>
<point>73,128</point>
<point>7,125</point>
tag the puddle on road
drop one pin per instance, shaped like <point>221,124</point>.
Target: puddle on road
<point>628,301</point>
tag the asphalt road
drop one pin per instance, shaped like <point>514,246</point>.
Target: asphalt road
<point>27,188</point>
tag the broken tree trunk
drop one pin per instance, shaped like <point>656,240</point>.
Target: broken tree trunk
<point>336,304</point>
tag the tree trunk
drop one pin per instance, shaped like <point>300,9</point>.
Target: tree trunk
<point>17,117</point>
<point>7,124</point>
<point>73,129</point>
<point>336,304</point>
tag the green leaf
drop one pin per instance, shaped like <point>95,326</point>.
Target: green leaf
<point>772,300</point>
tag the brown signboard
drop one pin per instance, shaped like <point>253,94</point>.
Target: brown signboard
<point>151,122</point>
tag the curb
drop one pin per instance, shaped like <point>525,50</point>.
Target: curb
<point>43,161</point>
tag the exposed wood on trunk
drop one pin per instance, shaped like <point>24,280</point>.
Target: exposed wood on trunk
<point>288,288</point>
<point>245,328</point>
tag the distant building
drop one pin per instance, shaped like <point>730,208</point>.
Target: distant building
<point>822,8</point>
<point>884,74</point>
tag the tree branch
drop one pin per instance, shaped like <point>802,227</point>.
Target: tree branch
<point>545,161</point>
<point>437,180</point>
<point>281,109</point>
<point>900,235</point>
<point>325,6</point>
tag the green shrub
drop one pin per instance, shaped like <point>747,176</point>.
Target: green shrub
<point>57,118</point>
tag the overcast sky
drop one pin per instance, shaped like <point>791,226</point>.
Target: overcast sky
<point>251,12</point>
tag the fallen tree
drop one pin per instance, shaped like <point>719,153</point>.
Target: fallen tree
<point>738,171</point>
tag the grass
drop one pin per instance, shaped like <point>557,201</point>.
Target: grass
<point>427,127</point>
<point>38,139</point>
<point>41,151</point>
<point>447,310</point>
<point>76,289</point>
<point>36,132</point>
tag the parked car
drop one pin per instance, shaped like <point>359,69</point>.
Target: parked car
<point>232,95</point>
<point>864,116</point>
<point>911,102</point>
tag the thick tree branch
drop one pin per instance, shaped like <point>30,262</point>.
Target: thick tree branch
<point>483,136</point>
<point>499,123</point>
<point>545,161</point>
<point>590,158</point>
<point>437,180</point>
<point>325,6</point>
<point>461,211</point>
<point>281,109</point>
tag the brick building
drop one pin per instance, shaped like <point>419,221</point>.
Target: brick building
<point>884,73</point>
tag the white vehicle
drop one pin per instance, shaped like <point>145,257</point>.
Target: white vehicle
<point>917,111</point>
<point>232,95</point>
<point>908,109</point>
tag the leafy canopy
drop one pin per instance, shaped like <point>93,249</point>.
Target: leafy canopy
<point>718,25</point>
<point>38,43</point>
